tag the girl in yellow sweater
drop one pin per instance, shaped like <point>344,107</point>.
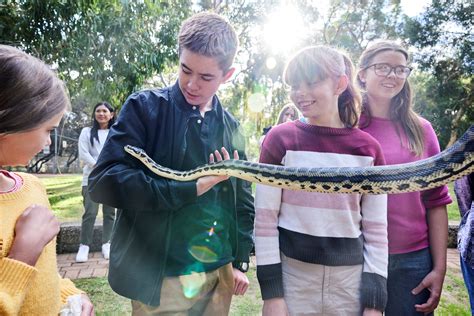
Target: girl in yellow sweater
<point>32,103</point>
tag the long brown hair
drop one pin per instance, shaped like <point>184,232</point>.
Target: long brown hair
<point>30,92</point>
<point>317,63</point>
<point>283,110</point>
<point>401,106</point>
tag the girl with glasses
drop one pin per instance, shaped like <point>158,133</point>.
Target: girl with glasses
<point>384,70</point>
<point>417,221</point>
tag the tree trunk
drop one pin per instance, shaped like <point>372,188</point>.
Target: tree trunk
<point>455,125</point>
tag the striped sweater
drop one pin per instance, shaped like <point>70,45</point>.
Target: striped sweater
<point>320,228</point>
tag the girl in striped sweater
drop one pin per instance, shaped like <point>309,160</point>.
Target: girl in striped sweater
<point>325,254</point>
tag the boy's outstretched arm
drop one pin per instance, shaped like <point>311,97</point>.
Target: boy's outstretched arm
<point>121,181</point>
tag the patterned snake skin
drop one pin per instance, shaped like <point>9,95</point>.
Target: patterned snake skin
<point>447,166</point>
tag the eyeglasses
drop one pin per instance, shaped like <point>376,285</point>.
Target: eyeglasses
<point>384,70</point>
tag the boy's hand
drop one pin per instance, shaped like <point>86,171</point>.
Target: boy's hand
<point>275,307</point>
<point>241,282</point>
<point>205,183</point>
<point>34,229</point>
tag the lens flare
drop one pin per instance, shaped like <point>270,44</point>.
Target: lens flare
<point>271,63</point>
<point>256,102</point>
<point>206,247</point>
<point>284,29</point>
<point>192,283</point>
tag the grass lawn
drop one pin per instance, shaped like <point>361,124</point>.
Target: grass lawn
<point>453,209</point>
<point>454,299</point>
<point>65,197</point>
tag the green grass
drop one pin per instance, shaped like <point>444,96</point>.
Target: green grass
<point>454,299</point>
<point>453,210</point>
<point>106,301</point>
<point>65,197</point>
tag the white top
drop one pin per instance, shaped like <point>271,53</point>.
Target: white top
<point>88,153</point>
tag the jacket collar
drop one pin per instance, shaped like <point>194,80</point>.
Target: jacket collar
<point>187,108</point>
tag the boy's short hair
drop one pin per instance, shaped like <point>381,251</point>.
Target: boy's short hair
<point>208,34</point>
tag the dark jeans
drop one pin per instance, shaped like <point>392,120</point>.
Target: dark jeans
<point>468,275</point>
<point>405,272</point>
<point>88,219</point>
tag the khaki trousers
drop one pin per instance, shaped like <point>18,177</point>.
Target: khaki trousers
<point>205,293</point>
<point>314,289</point>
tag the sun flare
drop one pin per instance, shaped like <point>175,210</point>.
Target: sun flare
<point>284,29</point>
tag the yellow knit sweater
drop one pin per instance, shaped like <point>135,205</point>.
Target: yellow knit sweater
<point>27,290</point>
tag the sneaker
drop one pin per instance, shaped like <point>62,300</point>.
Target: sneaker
<point>83,253</point>
<point>106,250</point>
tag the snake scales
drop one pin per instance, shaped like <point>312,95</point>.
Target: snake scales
<point>447,166</point>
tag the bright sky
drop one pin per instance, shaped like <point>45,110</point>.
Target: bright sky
<point>284,27</point>
<point>410,7</point>
<point>414,7</point>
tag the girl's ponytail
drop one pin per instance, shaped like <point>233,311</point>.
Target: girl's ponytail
<point>349,101</point>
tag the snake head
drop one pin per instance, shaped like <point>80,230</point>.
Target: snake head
<point>134,151</point>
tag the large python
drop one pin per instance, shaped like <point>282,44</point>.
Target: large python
<point>445,167</point>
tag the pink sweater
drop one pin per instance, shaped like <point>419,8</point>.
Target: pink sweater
<point>407,226</point>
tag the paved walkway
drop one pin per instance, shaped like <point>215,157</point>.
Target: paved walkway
<point>97,266</point>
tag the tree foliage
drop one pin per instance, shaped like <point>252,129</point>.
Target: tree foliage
<point>444,36</point>
<point>104,50</point>
<point>352,24</point>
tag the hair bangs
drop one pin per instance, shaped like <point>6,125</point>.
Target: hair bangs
<point>304,68</point>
